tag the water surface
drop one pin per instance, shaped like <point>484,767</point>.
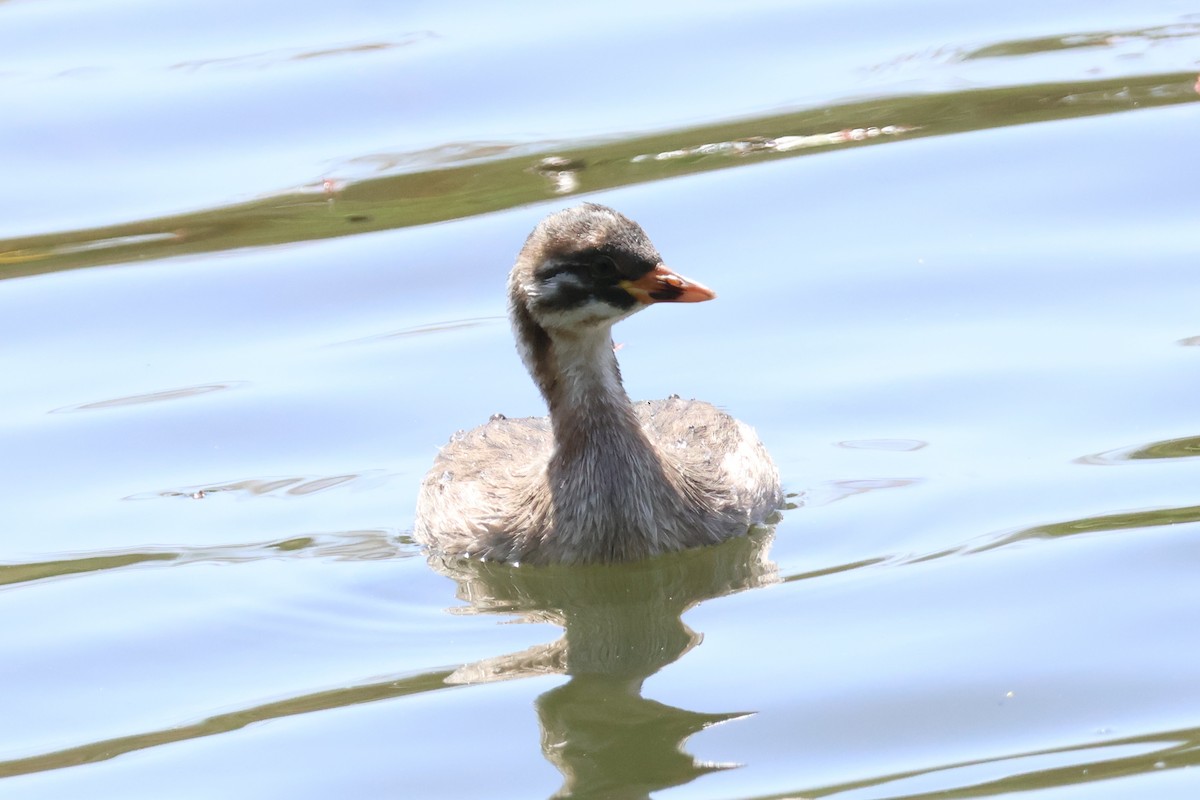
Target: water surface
<point>251,276</point>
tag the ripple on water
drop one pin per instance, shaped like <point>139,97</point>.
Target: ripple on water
<point>833,491</point>
<point>420,330</point>
<point>152,397</point>
<point>895,445</point>
<point>359,545</point>
<point>288,485</point>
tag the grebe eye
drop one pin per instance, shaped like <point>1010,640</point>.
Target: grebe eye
<point>604,267</point>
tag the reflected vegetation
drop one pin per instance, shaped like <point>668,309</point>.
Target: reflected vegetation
<point>334,206</point>
<point>391,687</point>
<point>1131,42</point>
<point>1139,37</point>
<point>1151,518</point>
<point>778,144</point>
<point>365,545</point>
<point>621,625</point>
<point>1183,447</point>
<point>1101,523</point>
<point>1042,769</point>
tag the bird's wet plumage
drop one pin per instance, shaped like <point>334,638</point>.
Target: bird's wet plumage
<point>602,479</point>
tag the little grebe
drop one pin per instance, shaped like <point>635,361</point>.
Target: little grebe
<point>603,479</point>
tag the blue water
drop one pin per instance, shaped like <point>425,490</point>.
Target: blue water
<point>252,262</point>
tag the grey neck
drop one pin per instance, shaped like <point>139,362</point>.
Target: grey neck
<point>609,486</point>
<point>591,415</point>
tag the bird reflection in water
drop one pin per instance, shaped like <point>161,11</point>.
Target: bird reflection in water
<point>621,625</point>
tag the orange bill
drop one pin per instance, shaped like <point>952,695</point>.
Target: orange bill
<point>661,285</point>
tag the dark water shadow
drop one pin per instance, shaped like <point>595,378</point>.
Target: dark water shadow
<point>620,625</point>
